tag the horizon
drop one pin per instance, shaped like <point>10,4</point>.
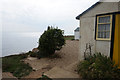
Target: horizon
<point>23,21</point>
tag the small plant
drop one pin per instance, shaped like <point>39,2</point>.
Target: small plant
<point>88,50</point>
<point>44,77</point>
<point>33,54</point>
<point>98,66</point>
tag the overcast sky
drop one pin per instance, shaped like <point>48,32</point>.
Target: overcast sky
<point>35,15</point>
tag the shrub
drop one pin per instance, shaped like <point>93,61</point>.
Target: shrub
<point>33,55</point>
<point>44,77</point>
<point>98,66</point>
<point>50,40</point>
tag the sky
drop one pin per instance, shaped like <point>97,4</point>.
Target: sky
<point>33,16</point>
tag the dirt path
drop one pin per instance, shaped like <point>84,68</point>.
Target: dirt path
<point>69,55</point>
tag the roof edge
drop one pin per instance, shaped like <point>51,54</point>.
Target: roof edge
<point>78,17</point>
<point>77,29</point>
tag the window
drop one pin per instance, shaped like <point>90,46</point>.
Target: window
<point>104,24</point>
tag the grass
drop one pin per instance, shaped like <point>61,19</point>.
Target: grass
<point>14,65</point>
<point>69,37</point>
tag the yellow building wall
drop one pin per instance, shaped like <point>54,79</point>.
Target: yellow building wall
<point>116,50</point>
<point>119,40</point>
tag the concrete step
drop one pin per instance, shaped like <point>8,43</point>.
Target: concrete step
<point>57,72</point>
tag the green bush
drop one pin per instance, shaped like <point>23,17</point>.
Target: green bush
<point>44,77</point>
<point>33,55</point>
<point>50,40</point>
<point>98,66</point>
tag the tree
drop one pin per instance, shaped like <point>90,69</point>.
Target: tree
<point>50,40</point>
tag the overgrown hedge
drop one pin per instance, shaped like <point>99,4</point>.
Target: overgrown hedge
<point>98,66</point>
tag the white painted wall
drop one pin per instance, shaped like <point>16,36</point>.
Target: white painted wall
<point>76,35</point>
<point>119,6</point>
<point>104,7</point>
<point>87,34</point>
<point>87,29</point>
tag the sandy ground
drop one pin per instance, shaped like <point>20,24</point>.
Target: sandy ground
<point>8,75</point>
<point>68,54</point>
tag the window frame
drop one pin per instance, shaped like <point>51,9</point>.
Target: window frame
<point>107,39</point>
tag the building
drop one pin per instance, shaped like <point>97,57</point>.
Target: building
<point>100,29</point>
<point>77,33</point>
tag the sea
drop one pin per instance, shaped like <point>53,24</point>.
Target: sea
<point>16,43</point>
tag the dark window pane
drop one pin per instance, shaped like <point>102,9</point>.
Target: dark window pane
<point>102,35</point>
<point>105,19</point>
<point>107,27</point>
<point>99,35</point>
<point>100,27</point>
<point>107,34</point>
<point>103,27</point>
